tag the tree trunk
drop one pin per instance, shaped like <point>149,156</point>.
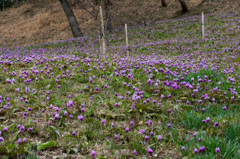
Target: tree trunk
<point>184,6</point>
<point>108,6</point>
<point>164,4</point>
<point>71,18</point>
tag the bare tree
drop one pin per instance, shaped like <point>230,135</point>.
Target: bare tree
<point>94,12</point>
<point>184,6</point>
<point>108,7</point>
<point>164,4</point>
<point>91,6</point>
<point>71,18</point>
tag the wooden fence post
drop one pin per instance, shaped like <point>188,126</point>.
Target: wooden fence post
<point>126,32</point>
<point>203,31</point>
<point>102,34</point>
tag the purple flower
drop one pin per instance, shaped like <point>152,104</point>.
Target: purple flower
<point>141,131</point>
<point>80,118</point>
<point>159,138</point>
<point>57,109</point>
<point>24,140</point>
<point>146,138</point>
<point>93,154</point>
<point>34,90</point>
<point>83,110</point>
<point>131,123</point>
<point>1,139</point>
<point>208,119</point>
<point>194,134</point>
<point>202,149</point>
<point>19,141</point>
<point>103,121</point>
<point>149,122</point>
<point>216,124</point>
<point>224,108</point>
<point>69,103</point>
<point>116,136</point>
<point>168,125</point>
<point>5,129</point>
<point>183,148</point>
<point>217,150</point>
<point>126,129</point>
<point>56,117</point>
<point>150,151</point>
<point>21,99</point>
<point>152,133</point>
<point>65,113</point>
<point>134,152</point>
<point>112,125</point>
<point>73,133</point>
<point>27,90</point>
<point>195,150</point>
<point>18,126</point>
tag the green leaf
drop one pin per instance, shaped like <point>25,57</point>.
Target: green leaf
<point>56,131</point>
<point>137,84</point>
<point>11,146</point>
<point>89,112</point>
<point>15,135</point>
<point>30,122</point>
<point>43,146</point>
<point>147,95</point>
<point>5,157</point>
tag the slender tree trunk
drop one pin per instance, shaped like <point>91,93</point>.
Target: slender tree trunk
<point>71,18</point>
<point>108,6</point>
<point>3,7</point>
<point>184,6</point>
<point>164,4</point>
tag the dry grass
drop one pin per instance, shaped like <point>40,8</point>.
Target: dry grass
<point>46,22</point>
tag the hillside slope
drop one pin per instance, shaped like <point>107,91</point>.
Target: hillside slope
<point>46,22</point>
